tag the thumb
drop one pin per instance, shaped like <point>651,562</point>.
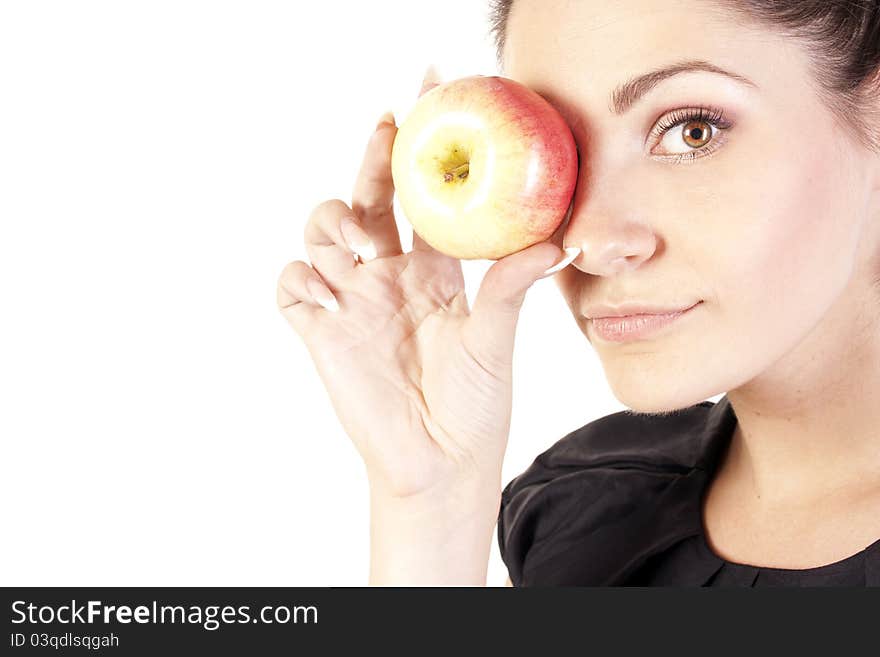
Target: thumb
<point>492,323</point>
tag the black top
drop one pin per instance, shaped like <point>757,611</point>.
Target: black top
<point>618,503</point>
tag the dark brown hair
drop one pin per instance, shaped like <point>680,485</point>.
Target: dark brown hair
<point>841,38</point>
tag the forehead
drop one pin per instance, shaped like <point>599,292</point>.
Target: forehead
<point>581,31</point>
<point>588,45</point>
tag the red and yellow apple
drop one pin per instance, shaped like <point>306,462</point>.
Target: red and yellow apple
<point>483,167</point>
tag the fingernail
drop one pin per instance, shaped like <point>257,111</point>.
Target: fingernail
<point>322,294</point>
<point>386,119</point>
<point>430,74</point>
<point>357,240</point>
<point>431,79</point>
<point>571,253</point>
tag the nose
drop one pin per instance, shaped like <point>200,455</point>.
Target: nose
<point>608,223</point>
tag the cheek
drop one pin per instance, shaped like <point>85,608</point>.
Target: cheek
<point>787,236</point>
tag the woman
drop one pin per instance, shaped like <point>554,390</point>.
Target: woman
<point>729,180</point>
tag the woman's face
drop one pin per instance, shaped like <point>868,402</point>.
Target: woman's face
<point>769,219</point>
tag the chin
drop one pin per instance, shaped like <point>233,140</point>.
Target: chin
<point>660,396</point>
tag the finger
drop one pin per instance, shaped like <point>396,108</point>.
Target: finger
<point>333,237</point>
<point>373,195</point>
<point>300,291</point>
<point>558,236</point>
<point>439,266</point>
<point>492,324</point>
<point>431,79</point>
<point>422,246</point>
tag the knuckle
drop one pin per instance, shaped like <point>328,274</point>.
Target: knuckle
<point>373,203</point>
<point>323,218</point>
<point>283,298</point>
<point>290,271</point>
<point>292,281</point>
<point>328,208</point>
<point>379,176</point>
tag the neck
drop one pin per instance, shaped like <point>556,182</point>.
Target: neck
<point>810,426</point>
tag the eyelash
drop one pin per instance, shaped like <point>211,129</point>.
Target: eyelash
<point>678,118</point>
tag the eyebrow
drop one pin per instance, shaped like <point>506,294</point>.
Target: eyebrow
<point>629,93</point>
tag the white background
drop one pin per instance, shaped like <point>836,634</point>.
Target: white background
<point>161,424</point>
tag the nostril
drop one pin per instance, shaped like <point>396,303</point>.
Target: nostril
<point>624,263</point>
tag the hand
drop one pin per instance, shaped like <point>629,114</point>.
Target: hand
<point>420,382</point>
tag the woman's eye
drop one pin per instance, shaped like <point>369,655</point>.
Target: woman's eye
<point>690,136</point>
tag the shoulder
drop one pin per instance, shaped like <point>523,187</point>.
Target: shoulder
<point>598,486</point>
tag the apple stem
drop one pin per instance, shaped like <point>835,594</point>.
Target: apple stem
<point>459,171</point>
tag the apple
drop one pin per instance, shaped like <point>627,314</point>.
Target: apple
<point>483,167</point>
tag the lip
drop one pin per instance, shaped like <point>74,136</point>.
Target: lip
<point>636,326</point>
<point>630,309</point>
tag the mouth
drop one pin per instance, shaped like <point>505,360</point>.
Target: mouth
<point>627,328</point>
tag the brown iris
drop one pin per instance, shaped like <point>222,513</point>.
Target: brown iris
<point>697,133</point>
